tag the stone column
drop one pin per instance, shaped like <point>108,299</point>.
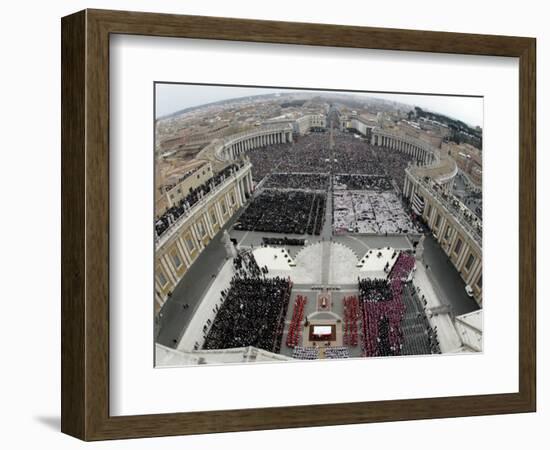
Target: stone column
<point>183,250</point>
<point>246,186</point>
<point>209,225</point>
<point>240,190</point>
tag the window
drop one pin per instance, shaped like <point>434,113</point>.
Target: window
<point>479,282</point>
<point>176,259</point>
<point>469,262</point>
<point>190,244</point>
<point>162,279</point>
<point>458,246</point>
<point>224,208</point>
<point>438,221</point>
<point>448,232</point>
<point>428,210</point>
<point>213,217</point>
<point>232,198</point>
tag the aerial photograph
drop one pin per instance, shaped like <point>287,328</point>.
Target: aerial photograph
<point>302,224</point>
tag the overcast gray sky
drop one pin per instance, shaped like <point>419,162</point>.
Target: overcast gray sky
<point>174,97</point>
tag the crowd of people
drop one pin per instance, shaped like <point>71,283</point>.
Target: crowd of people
<point>295,212</point>
<point>370,212</point>
<point>359,182</point>
<point>354,164</point>
<point>419,338</point>
<point>162,223</point>
<point>351,316</point>
<point>295,327</point>
<point>309,181</point>
<point>252,313</point>
<point>375,290</point>
<point>245,265</point>
<point>354,155</point>
<point>305,353</point>
<point>393,320</point>
<point>395,162</point>
<point>382,313</point>
<point>312,154</point>
<point>307,154</point>
<point>283,241</point>
<point>403,266</point>
<point>337,352</point>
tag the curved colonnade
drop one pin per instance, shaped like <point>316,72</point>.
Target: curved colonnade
<point>443,172</point>
<point>420,150</point>
<point>234,146</point>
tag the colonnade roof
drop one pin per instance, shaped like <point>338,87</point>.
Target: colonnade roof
<point>445,167</point>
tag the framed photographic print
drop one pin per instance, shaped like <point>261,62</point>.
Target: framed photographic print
<point>270,224</point>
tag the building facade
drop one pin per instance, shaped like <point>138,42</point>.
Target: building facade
<point>468,158</point>
<point>184,241</point>
<point>454,226</point>
<point>191,180</point>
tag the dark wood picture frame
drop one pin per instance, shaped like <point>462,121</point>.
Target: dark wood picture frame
<point>85,224</point>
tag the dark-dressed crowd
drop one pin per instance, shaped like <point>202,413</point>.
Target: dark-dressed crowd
<point>252,313</point>
<point>311,181</point>
<point>307,154</point>
<point>395,162</point>
<point>312,154</point>
<point>358,182</point>
<point>357,156</point>
<point>246,266</point>
<point>164,222</point>
<point>419,338</point>
<point>283,241</point>
<point>295,212</point>
<point>374,290</point>
<point>353,155</point>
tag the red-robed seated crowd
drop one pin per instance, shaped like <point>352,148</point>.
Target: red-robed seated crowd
<point>295,328</point>
<point>351,314</point>
<point>383,309</point>
<point>403,266</point>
